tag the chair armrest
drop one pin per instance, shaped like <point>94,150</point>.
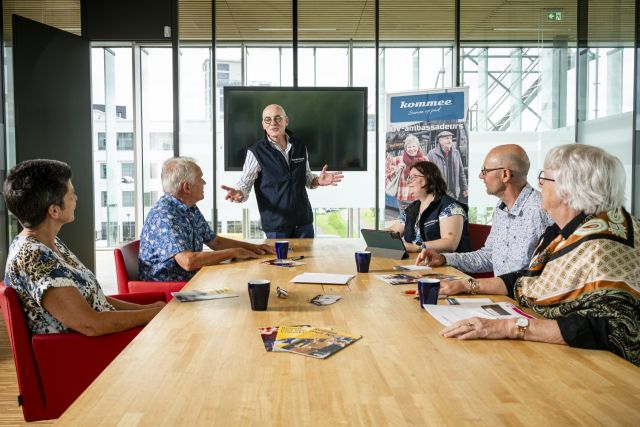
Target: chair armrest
<point>166,287</point>
<point>142,297</point>
<point>69,362</point>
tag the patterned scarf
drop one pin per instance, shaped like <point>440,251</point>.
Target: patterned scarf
<point>594,272</point>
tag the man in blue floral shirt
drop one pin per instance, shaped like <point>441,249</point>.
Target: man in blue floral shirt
<point>175,230</point>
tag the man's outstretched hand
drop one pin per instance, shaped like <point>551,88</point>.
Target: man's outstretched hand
<point>233,194</point>
<point>329,178</point>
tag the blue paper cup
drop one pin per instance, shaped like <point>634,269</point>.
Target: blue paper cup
<point>363,258</point>
<point>282,249</point>
<point>428,290</point>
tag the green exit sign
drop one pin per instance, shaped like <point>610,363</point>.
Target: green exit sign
<point>555,15</point>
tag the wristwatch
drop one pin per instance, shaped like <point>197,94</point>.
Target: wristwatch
<point>523,324</point>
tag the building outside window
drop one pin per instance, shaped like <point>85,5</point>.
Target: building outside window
<point>103,171</point>
<point>124,141</point>
<point>127,170</point>
<point>102,141</point>
<point>103,199</point>
<point>128,199</point>
<point>161,141</point>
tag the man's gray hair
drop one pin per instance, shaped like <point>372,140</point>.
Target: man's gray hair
<point>587,177</point>
<point>177,170</point>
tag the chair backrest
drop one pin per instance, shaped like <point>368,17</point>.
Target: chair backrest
<point>126,264</point>
<point>478,234</point>
<point>32,396</point>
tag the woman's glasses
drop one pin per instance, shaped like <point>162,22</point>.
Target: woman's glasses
<point>412,177</point>
<point>542,179</point>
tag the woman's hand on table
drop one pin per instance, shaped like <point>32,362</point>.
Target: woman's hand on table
<point>477,328</point>
<point>453,287</point>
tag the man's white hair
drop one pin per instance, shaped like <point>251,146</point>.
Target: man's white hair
<point>587,177</point>
<point>177,170</point>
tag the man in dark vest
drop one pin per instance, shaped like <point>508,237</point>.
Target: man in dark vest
<point>278,167</point>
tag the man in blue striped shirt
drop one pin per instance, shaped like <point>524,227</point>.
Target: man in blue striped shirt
<point>517,224</point>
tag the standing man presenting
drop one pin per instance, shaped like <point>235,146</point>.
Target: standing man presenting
<point>517,223</point>
<point>278,166</point>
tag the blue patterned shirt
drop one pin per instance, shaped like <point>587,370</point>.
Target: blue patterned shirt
<point>170,228</point>
<point>33,268</point>
<point>512,240</point>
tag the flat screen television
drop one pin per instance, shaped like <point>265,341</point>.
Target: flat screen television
<point>332,122</point>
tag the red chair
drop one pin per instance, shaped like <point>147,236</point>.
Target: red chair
<point>127,273</point>
<point>478,234</point>
<point>54,369</point>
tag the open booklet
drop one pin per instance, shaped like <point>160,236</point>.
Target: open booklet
<point>319,343</point>
<point>203,294</point>
<point>449,314</point>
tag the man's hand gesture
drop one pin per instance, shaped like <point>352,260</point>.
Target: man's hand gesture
<point>233,194</point>
<point>329,178</point>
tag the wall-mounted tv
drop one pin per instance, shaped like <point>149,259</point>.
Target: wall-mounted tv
<point>332,122</point>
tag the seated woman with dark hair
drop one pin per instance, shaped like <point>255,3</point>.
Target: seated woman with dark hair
<point>584,275</point>
<point>58,293</point>
<point>434,220</point>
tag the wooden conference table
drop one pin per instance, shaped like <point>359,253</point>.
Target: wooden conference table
<point>203,363</point>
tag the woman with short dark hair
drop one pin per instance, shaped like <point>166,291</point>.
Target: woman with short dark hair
<point>434,220</point>
<point>58,293</point>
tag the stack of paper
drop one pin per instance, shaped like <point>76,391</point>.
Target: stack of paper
<point>449,314</point>
<point>323,278</point>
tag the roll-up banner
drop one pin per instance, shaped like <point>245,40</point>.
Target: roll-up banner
<point>426,125</point>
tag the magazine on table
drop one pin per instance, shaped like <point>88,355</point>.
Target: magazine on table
<point>411,267</point>
<point>319,343</point>
<point>410,279</point>
<point>268,335</point>
<point>400,278</point>
<point>286,334</point>
<point>283,262</point>
<point>203,294</point>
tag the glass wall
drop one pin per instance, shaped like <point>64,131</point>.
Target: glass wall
<point>520,68</point>
<point>113,145</point>
<point>606,92</point>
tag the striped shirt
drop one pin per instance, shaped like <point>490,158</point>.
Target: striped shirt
<point>252,168</point>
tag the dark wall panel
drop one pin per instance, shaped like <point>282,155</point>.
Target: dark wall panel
<point>128,20</point>
<point>52,87</point>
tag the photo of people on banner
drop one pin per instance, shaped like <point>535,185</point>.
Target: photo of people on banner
<point>426,126</point>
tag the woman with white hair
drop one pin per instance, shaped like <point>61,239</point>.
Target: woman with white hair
<point>398,169</point>
<point>584,275</point>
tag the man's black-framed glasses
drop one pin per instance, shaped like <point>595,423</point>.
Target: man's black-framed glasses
<point>542,179</point>
<point>277,119</point>
<point>484,171</point>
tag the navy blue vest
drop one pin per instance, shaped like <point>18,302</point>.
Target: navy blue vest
<point>430,224</point>
<point>280,187</point>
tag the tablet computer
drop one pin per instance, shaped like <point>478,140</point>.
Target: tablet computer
<point>384,243</point>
